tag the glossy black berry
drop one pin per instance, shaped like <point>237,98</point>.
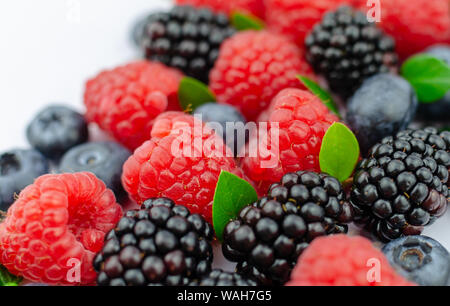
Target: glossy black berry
<point>18,169</point>
<point>186,38</point>
<point>228,123</point>
<point>104,159</point>
<point>346,48</point>
<point>223,279</point>
<point>160,244</point>
<point>402,185</point>
<point>56,129</point>
<point>269,235</point>
<point>420,259</point>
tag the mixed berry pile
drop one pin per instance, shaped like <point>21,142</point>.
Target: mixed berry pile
<point>356,115</point>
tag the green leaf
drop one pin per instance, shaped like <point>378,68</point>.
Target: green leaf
<point>192,93</point>
<point>429,76</point>
<point>321,93</point>
<point>231,195</point>
<point>8,279</point>
<point>339,152</point>
<point>244,22</point>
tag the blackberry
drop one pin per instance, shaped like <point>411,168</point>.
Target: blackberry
<point>347,49</point>
<point>221,278</point>
<point>402,185</point>
<point>186,38</point>
<point>269,235</point>
<point>159,244</point>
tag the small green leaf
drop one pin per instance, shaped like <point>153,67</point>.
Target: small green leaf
<point>321,93</point>
<point>192,93</point>
<point>8,279</point>
<point>429,76</point>
<point>339,152</point>
<point>244,22</point>
<point>231,195</point>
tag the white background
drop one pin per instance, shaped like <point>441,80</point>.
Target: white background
<point>49,48</point>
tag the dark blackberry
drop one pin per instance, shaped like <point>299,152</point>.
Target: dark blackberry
<point>403,185</point>
<point>221,278</point>
<point>269,235</point>
<point>186,38</point>
<point>159,244</point>
<point>347,49</point>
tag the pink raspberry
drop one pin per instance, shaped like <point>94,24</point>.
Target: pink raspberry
<point>301,120</point>
<point>177,165</point>
<point>252,67</point>
<point>125,101</point>
<point>340,260</point>
<point>61,217</point>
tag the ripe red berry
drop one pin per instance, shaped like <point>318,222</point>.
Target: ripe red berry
<point>57,222</point>
<point>253,66</point>
<point>340,260</point>
<point>414,24</point>
<point>182,161</point>
<point>125,101</point>
<point>255,7</point>
<point>301,120</point>
<point>295,19</point>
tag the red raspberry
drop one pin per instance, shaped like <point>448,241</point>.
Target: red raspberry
<point>125,101</point>
<point>414,24</point>
<point>255,7</point>
<point>253,66</point>
<point>295,19</point>
<point>159,168</point>
<point>58,218</point>
<point>340,260</point>
<point>303,120</point>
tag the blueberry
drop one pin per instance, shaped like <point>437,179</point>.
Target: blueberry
<point>420,259</point>
<point>56,129</point>
<point>438,110</point>
<point>104,159</point>
<point>234,136</point>
<point>18,169</point>
<point>382,106</point>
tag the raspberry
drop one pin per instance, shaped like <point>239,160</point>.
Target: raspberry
<point>186,38</point>
<point>270,234</point>
<point>295,19</point>
<point>125,101</point>
<point>303,120</point>
<point>402,185</point>
<point>255,7</point>
<point>58,218</point>
<point>415,24</point>
<point>253,66</point>
<point>347,49</point>
<point>341,260</point>
<point>219,278</point>
<point>159,244</point>
<point>189,175</point>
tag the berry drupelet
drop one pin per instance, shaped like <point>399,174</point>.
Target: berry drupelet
<point>269,235</point>
<point>186,38</point>
<point>403,184</point>
<point>221,278</point>
<point>160,244</point>
<point>346,48</point>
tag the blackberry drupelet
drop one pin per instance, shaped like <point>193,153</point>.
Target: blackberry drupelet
<point>186,38</point>
<point>269,235</point>
<point>221,278</point>
<point>403,185</point>
<point>346,48</point>
<point>159,244</point>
